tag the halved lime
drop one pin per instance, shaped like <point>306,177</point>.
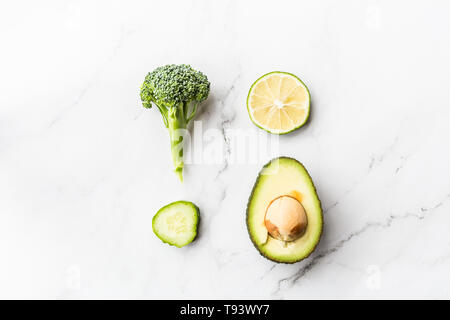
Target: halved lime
<point>278,102</point>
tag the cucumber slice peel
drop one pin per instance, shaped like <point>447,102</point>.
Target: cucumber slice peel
<point>176,223</point>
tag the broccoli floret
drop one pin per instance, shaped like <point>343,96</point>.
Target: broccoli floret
<point>176,90</point>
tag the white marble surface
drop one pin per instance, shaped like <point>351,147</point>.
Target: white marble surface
<point>83,167</point>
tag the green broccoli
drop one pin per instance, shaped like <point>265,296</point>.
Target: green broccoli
<point>176,90</point>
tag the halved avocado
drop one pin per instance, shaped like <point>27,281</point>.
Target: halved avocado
<point>284,190</point>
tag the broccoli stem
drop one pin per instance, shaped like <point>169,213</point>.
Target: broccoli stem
<point>177,125</point>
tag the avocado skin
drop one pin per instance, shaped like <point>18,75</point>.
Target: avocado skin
<point>248,208</point>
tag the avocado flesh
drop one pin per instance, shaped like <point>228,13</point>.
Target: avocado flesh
<point>284,176</point>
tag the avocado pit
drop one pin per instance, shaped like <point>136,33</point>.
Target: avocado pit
<point>285,218</point>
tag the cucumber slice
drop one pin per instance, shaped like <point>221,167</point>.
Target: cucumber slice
<point>176,223</point>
